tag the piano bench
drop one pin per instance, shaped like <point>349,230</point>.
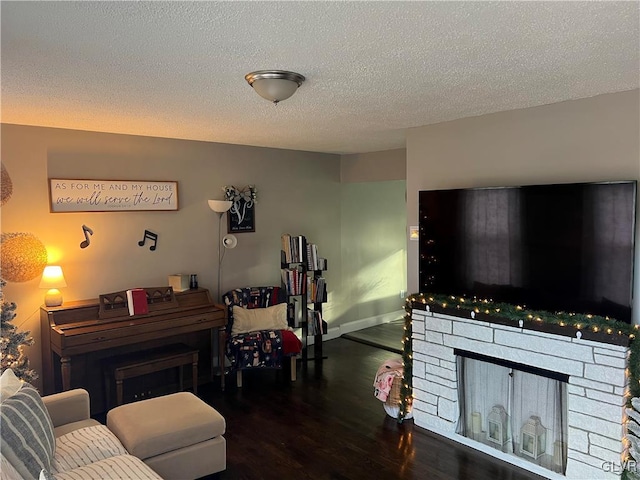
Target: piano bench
<point>128,366</point>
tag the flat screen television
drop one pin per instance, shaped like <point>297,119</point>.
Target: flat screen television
<point>560,247</point>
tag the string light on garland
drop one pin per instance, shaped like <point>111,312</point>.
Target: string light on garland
<point>631,441</point>
<point>406,388</point>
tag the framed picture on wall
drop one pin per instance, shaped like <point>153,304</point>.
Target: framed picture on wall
<point>241,216</point>
<point>81,195</point>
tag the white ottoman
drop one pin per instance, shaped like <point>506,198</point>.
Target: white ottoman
<point>178,435</point>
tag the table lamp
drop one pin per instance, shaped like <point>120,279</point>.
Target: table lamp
<point>53,279</point>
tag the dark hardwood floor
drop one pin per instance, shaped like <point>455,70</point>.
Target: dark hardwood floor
<point>328,425</point>
<point>387,336</point>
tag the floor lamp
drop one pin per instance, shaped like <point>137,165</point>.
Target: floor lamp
<point>220,207</point>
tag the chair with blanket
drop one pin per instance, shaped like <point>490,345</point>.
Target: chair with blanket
<point>258,334</point>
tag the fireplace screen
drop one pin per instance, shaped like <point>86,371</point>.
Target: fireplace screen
<point>516,409</point>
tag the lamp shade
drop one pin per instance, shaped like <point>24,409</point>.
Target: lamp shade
<point>52,277</point>
<point>229,241</point>
<point>274,85</point>
<point>220,206</point>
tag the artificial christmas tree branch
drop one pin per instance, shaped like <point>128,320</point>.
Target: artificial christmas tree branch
<point>12,342</point>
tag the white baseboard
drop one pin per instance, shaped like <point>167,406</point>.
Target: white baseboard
<point>349,327</point>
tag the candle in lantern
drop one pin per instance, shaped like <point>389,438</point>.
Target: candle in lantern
<point>558,453</point>
<point>476,423</point>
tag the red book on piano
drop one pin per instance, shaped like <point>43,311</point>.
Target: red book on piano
<point>137,300</point>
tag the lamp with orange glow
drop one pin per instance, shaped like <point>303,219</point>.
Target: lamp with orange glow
<point>53,279</point>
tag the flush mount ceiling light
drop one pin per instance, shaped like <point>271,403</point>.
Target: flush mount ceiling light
<point>274,85</point>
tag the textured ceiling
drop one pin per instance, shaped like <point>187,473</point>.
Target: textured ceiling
<point>374,69</point>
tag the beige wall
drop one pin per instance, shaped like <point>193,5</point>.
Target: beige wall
<point>593,139</point>
<point>381,166</point>
<point>298,193</point>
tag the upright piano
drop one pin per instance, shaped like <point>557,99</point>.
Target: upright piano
<point>80,328</point>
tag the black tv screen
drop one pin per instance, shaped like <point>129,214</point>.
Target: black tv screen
<point>561,247</point>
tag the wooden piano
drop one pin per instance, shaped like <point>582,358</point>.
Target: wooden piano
<point>77,329</point>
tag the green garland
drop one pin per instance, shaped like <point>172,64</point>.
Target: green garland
<point>406,389</point>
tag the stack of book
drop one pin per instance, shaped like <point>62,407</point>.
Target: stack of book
<point>315,324</point>
<point>314,262</point>
<point>316,290</point>
<point>294,248</point>
<point>294,280</point>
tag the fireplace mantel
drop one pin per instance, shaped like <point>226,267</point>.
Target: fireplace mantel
<point>596,388</point>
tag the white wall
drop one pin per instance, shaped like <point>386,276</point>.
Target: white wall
<point>593,139</point>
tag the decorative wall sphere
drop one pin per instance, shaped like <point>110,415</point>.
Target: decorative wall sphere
<point>6,187</point>
<point>22,257</point>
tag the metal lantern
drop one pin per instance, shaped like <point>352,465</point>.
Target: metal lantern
<point>533,438</point>
<point>498,426</point>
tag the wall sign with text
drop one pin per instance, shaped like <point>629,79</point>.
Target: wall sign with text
<point>71,195</point>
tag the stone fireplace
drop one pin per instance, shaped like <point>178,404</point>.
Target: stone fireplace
<point>595,388</point>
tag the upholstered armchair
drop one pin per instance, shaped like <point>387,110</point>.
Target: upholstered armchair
<point>258,334</point>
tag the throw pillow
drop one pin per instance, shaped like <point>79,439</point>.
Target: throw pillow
<point>28,442</point>
<point>119,467</point>
<point>9,384</point>
<point>83,447</point>
<point>7,472</point>
<point>254,319</point>
<point>44,475</point>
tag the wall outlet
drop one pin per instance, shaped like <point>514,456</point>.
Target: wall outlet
<point>403,294</point>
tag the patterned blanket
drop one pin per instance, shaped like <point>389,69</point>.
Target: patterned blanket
<point>256,349</point>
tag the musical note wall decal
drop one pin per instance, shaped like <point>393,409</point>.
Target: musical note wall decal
<point>151,236</point>
<point>86,231</point>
